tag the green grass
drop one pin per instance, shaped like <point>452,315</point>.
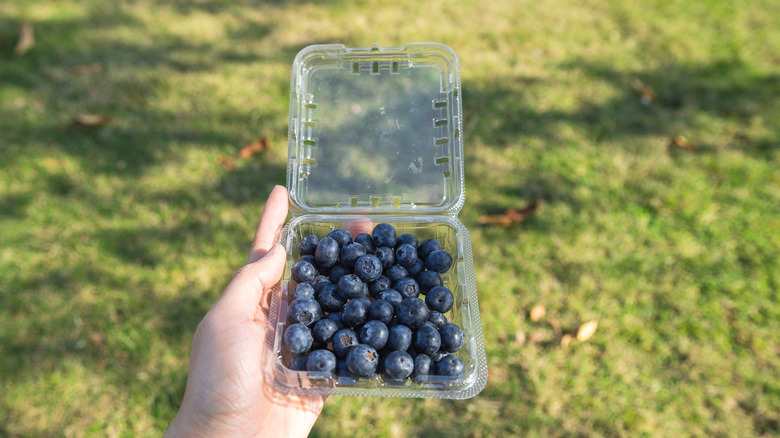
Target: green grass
<point>114,241</point>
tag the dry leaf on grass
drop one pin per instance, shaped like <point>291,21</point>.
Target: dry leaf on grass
<point>512,215</point>
<point>26,40</point>
<point>88,69</point>
<point>587,330</point>
<point>536,338</point>
<point>90,121</point>
<point>226,162</point>
<point>646,94</point>
<point>520,337</point>
<point>566,340</point>
<point>682,143</point>
<point>538,312</point>
<point>255,147</point>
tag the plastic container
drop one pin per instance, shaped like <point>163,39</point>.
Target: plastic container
<point>375,135</point>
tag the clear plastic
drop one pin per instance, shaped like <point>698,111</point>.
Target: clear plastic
<point>375,135</point>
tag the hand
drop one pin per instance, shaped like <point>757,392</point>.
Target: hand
<point>227,393</point>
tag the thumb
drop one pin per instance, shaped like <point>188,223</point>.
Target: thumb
<point>253,283</point>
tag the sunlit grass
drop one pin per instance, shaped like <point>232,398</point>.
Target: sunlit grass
<point>115,240</point>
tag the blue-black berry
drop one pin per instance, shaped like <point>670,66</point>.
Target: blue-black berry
<point>362,360</point>
<point>398,365</point>
<point>440,299</point>
<point>323,361</point>
<point>327,253</point>
<point>449,365</point>
<point>298,338</point>
<point>368,268</point>
<point>384,235</point>
<point>452,337</point>
<point>304,310</point>
<point>438,261</point>
<point>412,312</point>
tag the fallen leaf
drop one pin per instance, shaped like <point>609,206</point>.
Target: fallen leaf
<point>587,330</point>
<point>88,69</point>
<point>226,162</point>
<point>566,340</point>
<point>681,142</point>
<point>536,338</point>
<point>520,337</point>
<point>90,120</point>
<point>26,40</point>
<point>255,147</point>
<point>646,94</point>
<point>501,337</point>
<point>538,312</point>
<point>512,215</point>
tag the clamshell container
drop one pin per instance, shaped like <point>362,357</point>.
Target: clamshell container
<point>375,136</point>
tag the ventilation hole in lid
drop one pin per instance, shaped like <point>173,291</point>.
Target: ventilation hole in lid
<point>355,68</point>
<point>395,67</point>
<point>375,67</point>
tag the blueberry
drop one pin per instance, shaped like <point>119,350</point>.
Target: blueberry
<point>437,318</point>
<point>412,312</point>
<point>399,337</point>
<point>438,261</point>
<point>336,317</point>
<point>396,272</point>
<point>298,338</point>
<point>308,245</point>
<point>319,282</point>
<point>449,365</point>
<point>422,366</point>
<point>327,253</point>
<point>452,337</point>
<point>303,272</point>
<point>375,333</point>
<point>427,340</point>
<point>386,255</point>
<point>368,268</point>
<point>381,284</point>
<point>303,290</point>
<point>427,280</point>
<point>341,236</point>
<point>304,310</point>
<point>381,310</point>
<point>346,377</point>
<point>416,267</point>
<point>308,258</point>
<point>350,253</point>
<point>407,239</point>
<point>362,360</point>
<point>408,287</point>
<point>337,271</point>
<point>367,241</point>
<point>343,340</point>
<point>298,362</point>
<point>351,286</point>
<point>427,247</point>
<point>398,365</point>
<point>384,235</point>
<point>330,298</point>
<point>323,330</point>
<point>405,255</point>
<point>321,361</point>
<point>392,296</point>
<point>354,313</point>
<point>440,299</point>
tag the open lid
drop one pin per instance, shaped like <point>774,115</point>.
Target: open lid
<point>376,130</point>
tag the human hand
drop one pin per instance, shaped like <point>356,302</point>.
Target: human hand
<point>227,393</point>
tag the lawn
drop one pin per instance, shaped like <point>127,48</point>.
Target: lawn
<point>649,133</point>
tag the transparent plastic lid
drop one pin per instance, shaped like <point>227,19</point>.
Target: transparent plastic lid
<point>376,130</point>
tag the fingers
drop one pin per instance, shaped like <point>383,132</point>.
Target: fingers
<point>359,226</point>
<point>254,281</point>
<point>271,222</point>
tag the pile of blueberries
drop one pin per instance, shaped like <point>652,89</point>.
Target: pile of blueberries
<point>356,309</point>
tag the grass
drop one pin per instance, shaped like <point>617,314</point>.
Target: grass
<point>115,240</point>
